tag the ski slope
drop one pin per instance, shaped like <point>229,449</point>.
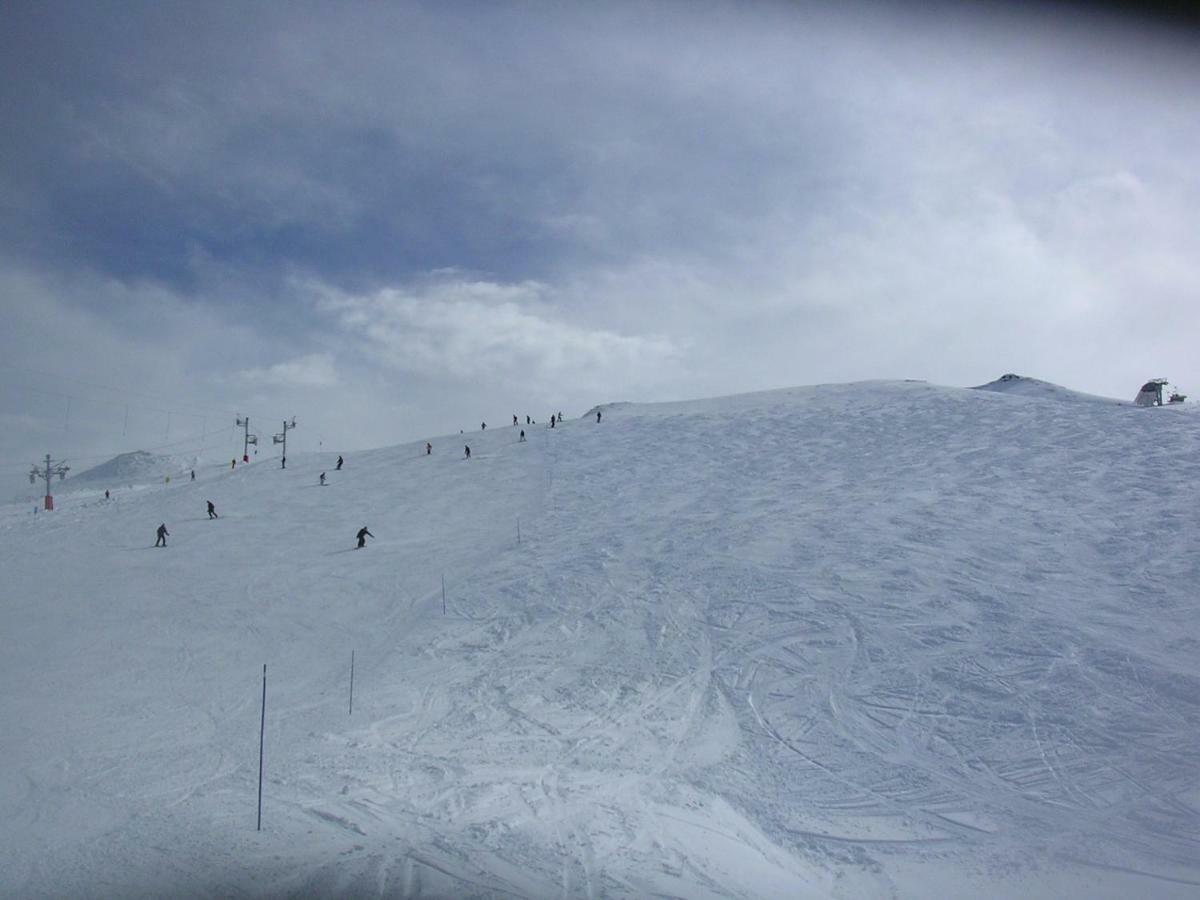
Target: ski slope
<point>872,640</point>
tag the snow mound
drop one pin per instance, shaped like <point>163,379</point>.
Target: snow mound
<point>607,407</point>
<point>137,467</point>
<point>1035,387</point>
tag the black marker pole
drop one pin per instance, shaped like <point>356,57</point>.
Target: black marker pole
<point>262,730</point>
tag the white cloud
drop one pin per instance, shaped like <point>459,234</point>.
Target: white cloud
<point>312,370</point>
<point>461,330</point>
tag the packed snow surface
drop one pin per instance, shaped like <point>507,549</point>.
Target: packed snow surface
<point>873,640</point>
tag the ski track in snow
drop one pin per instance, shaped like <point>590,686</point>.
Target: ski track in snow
<point>884,639</point>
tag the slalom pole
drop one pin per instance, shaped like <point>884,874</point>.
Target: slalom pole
<point>262,728</point>
<point>351,682</point>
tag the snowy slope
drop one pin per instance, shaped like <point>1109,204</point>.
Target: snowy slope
<point>884,639</point>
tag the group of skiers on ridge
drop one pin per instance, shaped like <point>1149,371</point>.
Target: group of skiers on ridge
<point>363,533</point>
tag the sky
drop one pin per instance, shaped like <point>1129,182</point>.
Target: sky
<point>400,220</point>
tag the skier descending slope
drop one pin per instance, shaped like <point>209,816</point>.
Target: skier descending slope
<point>363,534</point>
<point>212,510</point>
<point>162,535</point>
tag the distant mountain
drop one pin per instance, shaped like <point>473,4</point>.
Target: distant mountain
<point>1035,387</point>
<point>137,467</point>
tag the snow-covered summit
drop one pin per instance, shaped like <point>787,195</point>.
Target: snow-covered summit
<point>876,640</point>
<point>1034,387</point>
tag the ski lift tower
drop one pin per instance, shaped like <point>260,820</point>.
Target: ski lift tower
<point>282,439</point>
<point>247,439</point>
<point>47,471</point>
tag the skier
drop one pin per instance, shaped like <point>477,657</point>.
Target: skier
<point>233,463</point>
<point>468,452</point>
<point>522,435</point>
<point>428,449</point>
<point>106,493</point>
<point>527,422</point>
<point>193,474</point>
<point>560,415</point>
<point>483,426</point>
<point>322,479</point>
<point>551,420</point>
<point>514,420</point>
<point>339,464</point>
<point>283,462</point>
<point>162,535</point>
<point>212,511</point>
<point>363,534</point>
<point>597,417</point>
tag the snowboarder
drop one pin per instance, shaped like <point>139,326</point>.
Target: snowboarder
<point>339,464</point>
<point>212,511</point>
<point>162,535</point>
<point>468,448</point>
<point>522,435</point>
<point>322,479</point>
<point>428,449</point>
<point>597,417</point>
<point>363,534</point>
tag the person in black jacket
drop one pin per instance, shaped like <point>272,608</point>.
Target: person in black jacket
<point>212,511</point>
<point>363,534</point>
<point>162,535</point>
<point>339,464</point>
